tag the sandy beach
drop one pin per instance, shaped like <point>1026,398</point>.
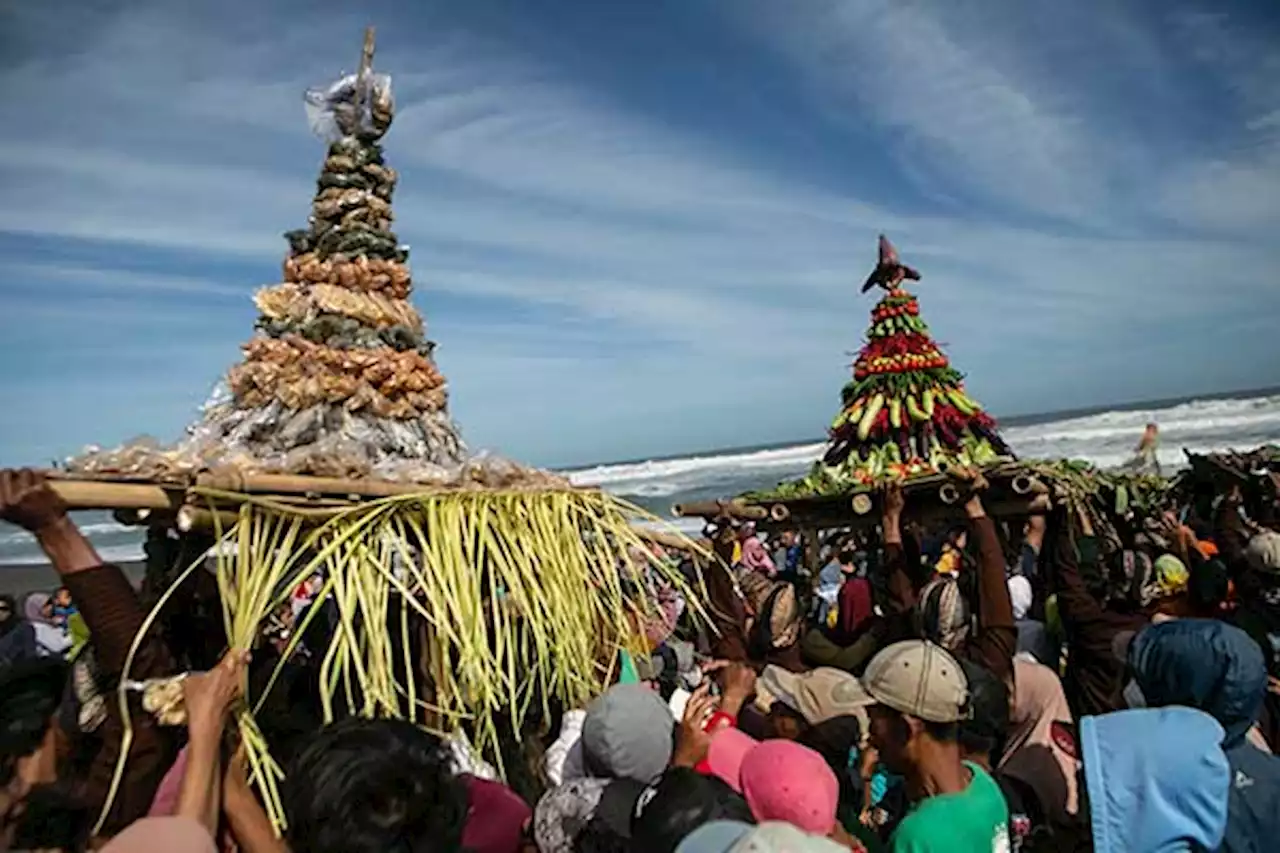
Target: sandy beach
<point>23,578</point>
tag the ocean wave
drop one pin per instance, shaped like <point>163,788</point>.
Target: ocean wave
<point>106,528</point>
<point>1106,439</point>
<point>1188,419</point>
<point>604,475</point>
<point>130,553</point>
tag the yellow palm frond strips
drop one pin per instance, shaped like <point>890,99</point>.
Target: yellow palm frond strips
<point>511,598</point>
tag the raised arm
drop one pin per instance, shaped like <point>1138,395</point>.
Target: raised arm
<point>1229,530</point>
<point>1076,605</point>
<point>114,616</point>
<point>996,640</point>
<point>902,593</point>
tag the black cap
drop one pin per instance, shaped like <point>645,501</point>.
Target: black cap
<point>680,802</point>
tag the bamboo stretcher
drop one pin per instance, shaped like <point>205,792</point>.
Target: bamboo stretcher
<point>316,499</point>
<point>930,498</point>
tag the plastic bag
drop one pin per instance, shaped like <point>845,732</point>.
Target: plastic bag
<point>331,111</point>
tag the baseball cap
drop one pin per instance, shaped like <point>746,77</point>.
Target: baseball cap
<point>820,695</point>
<point>920,679</point>
<point>772,837</point>
<point>780,779</point>
<point>628,733</point>
<point>1263,552</point>
<point>678,803</point>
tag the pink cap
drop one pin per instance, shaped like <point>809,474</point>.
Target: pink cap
<point>785,781</point>
<point>729,746</point>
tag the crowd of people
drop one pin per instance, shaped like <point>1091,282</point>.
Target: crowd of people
<point>44,625</point>
<point>982,687</point>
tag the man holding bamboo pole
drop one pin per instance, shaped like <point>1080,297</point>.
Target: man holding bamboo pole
<point>114,616</point>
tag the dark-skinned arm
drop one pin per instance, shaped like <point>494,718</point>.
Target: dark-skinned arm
<point>114,617</point>
<point>245,816</point>
<point>996,640</point>
<point>902,593</point>
<point>1077,607</point>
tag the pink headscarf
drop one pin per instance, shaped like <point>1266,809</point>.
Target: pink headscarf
<point>754,556</point>
<point>1031,754</point>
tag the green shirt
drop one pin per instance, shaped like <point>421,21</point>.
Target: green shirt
<point>976,820</point>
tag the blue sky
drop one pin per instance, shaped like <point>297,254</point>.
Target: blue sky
<point>638,228</point>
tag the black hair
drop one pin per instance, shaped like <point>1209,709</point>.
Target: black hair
<point>942,732</point>
<point>846,557</point>
<point>680,802</point>
<point>374,786</point>
<point>53,818</point>
<point>1208,586</point>
<point>835,740</point>
<point>30,692</point>
<point>988,723</point>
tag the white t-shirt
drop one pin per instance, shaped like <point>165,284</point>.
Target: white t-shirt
<point>51,642</point>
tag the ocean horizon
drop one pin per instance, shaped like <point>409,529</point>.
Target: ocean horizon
<point>1102,435</point>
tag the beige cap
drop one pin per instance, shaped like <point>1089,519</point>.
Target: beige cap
<point>1263,552</point>
<point>920,679</point>
<point>820,695</point>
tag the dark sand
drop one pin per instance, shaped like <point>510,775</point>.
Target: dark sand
<point>24,578</point>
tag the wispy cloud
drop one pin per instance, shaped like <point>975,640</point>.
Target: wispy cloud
<point>606,281</point>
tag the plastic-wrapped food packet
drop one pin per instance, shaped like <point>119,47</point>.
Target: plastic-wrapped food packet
<point>332,114</point>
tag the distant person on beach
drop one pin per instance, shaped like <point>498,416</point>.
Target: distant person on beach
<point>1145,459</point>
<point>63,608</point>
<point>51,641</point>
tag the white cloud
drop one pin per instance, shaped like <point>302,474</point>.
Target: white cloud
<point>536,192</point>
<point>1237,187</point>
<point>945,84</point>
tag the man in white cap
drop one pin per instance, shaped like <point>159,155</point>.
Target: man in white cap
<point>921,696</point>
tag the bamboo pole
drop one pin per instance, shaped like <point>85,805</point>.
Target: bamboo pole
<point>191,517</point>
<point>366,65</point>
<point>668,540</point>
<point>297,484</point>
<point>717,509</point>
<point>93,494</point>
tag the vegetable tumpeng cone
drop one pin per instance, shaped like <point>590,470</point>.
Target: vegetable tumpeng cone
<point>905,413</point>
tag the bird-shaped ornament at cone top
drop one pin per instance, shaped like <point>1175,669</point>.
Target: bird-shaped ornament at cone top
<point>906,413</point>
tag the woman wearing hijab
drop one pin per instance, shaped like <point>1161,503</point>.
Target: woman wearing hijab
<point>1038,768</point>
<point>51,641</point>
<point>8,614</point>
<point>17,638</point>
<point>755,558</point>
